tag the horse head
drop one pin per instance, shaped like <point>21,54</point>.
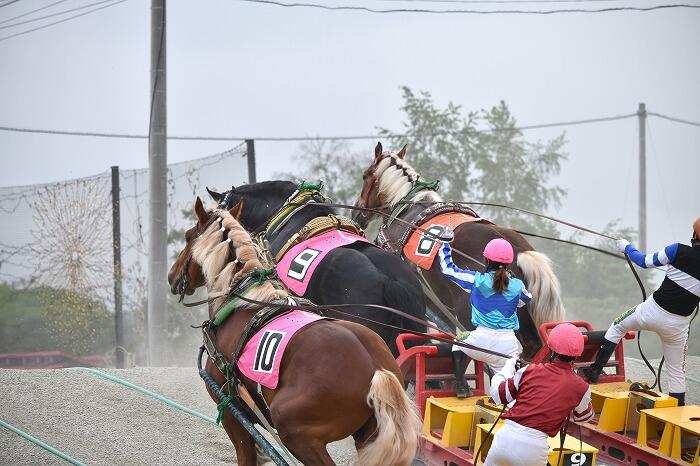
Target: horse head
<point>262,200</point>
<point>373,194</point>
<point>186,275</point>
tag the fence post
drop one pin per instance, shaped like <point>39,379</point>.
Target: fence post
<point>117,250</point>
<point>250,155</point>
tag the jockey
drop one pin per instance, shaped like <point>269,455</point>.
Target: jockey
<point>667,312</point>
<point>495,298</point>
<point>546,395</point>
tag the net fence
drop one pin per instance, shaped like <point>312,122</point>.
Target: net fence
<point>56,255</point>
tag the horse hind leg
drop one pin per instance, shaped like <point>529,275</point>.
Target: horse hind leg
<point>308,449</point>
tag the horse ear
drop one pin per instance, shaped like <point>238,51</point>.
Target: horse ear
<point>402,152</point>
<point>378,150</point>
<point>214,195</point>
<point>200,212</point>
<point>236,210</point>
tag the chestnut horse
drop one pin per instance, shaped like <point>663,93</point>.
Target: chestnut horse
<point>336,378</point>
<point>389,180</point>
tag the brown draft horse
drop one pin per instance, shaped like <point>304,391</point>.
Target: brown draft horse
<point>337,378</point>
<point>389,179</point>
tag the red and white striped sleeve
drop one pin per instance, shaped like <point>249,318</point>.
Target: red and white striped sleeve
<point>504,389</point>
<point>584,411</point>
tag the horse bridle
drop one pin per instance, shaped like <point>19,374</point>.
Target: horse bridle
<point>183,278</point>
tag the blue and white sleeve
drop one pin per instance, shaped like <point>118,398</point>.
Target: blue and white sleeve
<point>525,297</point>
<point>656,259</point>
<point>462,277</point>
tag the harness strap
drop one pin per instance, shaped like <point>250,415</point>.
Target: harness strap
<point>315,227</point>
<point>437,302</point>
<point>418,186</point>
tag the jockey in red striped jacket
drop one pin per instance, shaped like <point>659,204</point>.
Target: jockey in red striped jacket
<point>545,396</point>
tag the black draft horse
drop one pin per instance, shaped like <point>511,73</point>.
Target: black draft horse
<point>359,273</point>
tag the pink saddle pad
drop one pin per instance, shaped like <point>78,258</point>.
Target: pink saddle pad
<point>299,264</point>
<point>262,355</point>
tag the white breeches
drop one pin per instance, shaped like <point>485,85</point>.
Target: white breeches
<point>501,341</point>
<point>516,445</point>
<point>671,328</point>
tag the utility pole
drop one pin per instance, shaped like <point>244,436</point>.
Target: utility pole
<point>642,115</point>
<point>250,155</point>
<point>119,351</point>
<point>157,162</point>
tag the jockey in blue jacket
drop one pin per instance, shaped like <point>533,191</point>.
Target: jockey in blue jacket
<point>495,298</point>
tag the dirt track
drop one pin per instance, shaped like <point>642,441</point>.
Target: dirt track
<point>99,422</point>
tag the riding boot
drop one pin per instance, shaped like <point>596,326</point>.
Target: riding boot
<point>592,372</point>
<point>680,397</point>
<point>460,361</point>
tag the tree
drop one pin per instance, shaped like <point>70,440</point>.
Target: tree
<point>333,162</point>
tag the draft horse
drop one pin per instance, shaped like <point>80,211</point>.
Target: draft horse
<point>337,378</point>
<point>393,187</point>
<point>358,273</point>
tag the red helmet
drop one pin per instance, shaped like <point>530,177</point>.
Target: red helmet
<point>566,339</point>
<point>499,250</point>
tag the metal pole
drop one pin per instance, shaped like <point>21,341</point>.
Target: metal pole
<point>642,114</point>
<point>250,154</point>
<point>158,159</point>
<point>117,250</point>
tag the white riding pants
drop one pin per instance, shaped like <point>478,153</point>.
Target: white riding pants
<point>517,445</point>
<point>671,328</point>
<point>499,340</point>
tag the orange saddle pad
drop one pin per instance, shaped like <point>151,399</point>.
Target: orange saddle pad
<point>420,249</point>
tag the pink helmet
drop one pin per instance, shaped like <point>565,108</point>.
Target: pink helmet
<point>499,250</point>
<point>566,339</point>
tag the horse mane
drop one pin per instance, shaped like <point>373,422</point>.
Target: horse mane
<point>211,252</point>
<point>396,179</point>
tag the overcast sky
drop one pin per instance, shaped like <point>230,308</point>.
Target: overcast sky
<point>253,70</point>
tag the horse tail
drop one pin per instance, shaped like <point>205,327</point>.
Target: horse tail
<point>398,425</point>
<point>546,304</point>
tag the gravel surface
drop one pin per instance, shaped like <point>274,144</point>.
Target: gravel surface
<point>99,422</point>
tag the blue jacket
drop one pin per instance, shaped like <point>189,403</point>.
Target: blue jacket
<point>489,309</point>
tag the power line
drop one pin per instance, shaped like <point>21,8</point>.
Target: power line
<point>9,3</point>
<point>486,2</point>
<point>33,11</point>
<point>59,13</point>
<point>677,120</point>
<point>301,138</point>
<point>61,21</point>
<point>473,12</point>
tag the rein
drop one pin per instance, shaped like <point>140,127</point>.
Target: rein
<point>339,309</point>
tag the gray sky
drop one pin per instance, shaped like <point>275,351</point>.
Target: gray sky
<point>248,70</point>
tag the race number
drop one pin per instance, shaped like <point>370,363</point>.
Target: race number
<point>427,242</point>
<point>301,263</point>
<point>267,349</point>
<point>578,459</point>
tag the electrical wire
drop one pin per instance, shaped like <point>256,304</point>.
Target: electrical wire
<point>677,120</point>
<point>33,11</point>
<point>9,3</point>
<point>58,13</point>
<point>305,138</point>
<point>473,12</point>
<point>61,21</point>
<point>486,2</point>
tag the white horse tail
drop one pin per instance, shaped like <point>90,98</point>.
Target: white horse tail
<point>398,425</point>
<point>546,304</point>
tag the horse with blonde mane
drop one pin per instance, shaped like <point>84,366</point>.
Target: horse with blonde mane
<point>336,378</point>
<point>393,187</point>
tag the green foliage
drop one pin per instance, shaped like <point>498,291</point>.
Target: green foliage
<point>481,157</point>
<point>47,319</point>
<point>334,163</point>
